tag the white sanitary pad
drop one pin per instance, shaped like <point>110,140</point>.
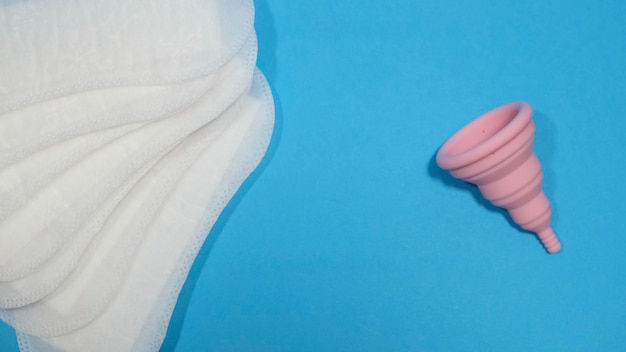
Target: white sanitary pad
<point>134,319</point>
<point>52,48</point>
<point>125,128</point>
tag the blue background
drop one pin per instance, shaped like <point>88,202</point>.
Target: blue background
<point>349,238</point>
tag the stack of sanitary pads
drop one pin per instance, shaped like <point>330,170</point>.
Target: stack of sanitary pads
<point>125,128</point>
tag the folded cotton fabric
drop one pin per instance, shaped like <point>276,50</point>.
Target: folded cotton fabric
<point>69,198</point>
<point>134,320</point>
<point>54,48</point>
<point>125,128</point>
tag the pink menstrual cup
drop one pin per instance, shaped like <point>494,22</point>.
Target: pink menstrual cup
<point>495,152</point>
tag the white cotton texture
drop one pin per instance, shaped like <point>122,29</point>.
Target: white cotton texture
<point>162,260</point>
<point>53,48</point>
<point>125,128</point>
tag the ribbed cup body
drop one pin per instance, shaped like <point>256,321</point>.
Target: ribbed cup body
<point>495,152</point>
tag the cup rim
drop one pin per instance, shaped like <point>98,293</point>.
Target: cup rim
<point>449,159</point>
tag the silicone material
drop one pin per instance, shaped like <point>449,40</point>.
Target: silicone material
<point>495,152</point>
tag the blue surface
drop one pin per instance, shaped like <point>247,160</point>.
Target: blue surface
<point>349,238</point>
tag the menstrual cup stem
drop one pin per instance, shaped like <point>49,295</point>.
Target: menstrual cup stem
<point>549,240</point>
